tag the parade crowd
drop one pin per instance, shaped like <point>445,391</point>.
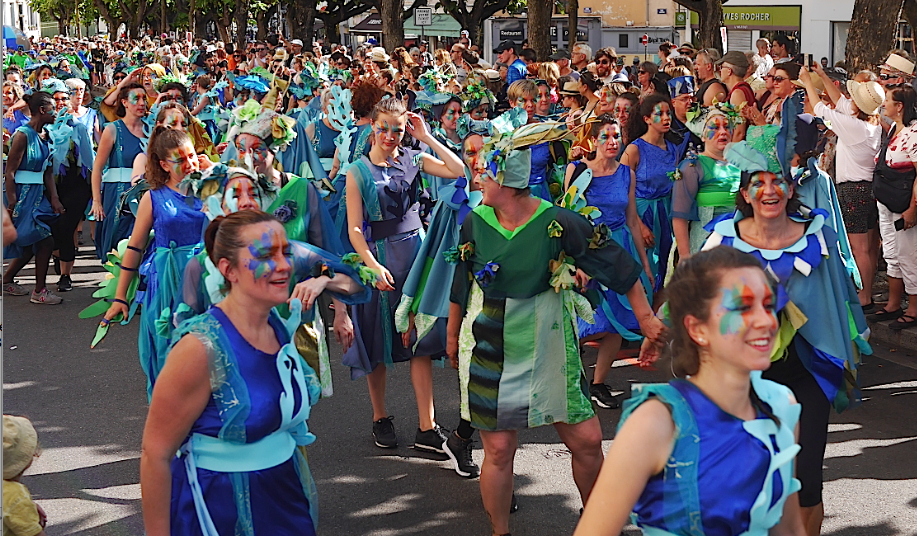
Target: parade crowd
<point>725,212</point>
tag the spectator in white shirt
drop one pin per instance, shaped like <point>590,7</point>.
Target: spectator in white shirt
<point>764,52</point>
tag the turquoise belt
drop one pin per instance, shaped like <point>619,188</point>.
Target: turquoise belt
<point>327,163</point>
<point>121,174</point>
<point>30,177</point>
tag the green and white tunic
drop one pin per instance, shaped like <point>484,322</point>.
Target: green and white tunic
<point>519,364</point>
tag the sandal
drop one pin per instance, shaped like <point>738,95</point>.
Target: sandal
<point>869,308</point>
<point>883,314</point>
<point>898,325</point>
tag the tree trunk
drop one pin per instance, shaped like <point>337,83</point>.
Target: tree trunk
<point>392,24</point>
<point>709,22</point>
<point>572,22</point>
<point>163,25</point>
<point>539,28</point>
<point>241,19</point>
<point>301,18</point>
<point>872,32</point>
<point>261,22</point>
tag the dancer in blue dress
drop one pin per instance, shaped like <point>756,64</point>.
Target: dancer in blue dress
<point>178,224</point>
<point>111,175</point>
<point>609,187</point>
<point>676,441</point>
<point>31,196</point>
<point>233,400</point>
<point>524,94</point>
<point>654,159</point>
<point>384,228</point>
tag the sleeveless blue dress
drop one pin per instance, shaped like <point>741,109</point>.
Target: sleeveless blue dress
<point>178,226</point>
<point>277,500</point>
<point>32,214</point>
<point>393,230</point>
<point>654,201</point>
<point>324,139</point>
<point>692,496</point>
<point>541,171</point>
<point>116,179</point>
<point>609,195</point>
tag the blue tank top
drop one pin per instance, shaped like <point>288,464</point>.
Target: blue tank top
<point>609,194</point>
<point>324,139</point>
<point>37,151</point>
<point>652,172</point>
<point>726,448</point>
<point>177,219</point>
<point>126,147</point>
<point>541,159</point>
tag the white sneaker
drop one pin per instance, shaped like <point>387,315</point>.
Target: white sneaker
<point>45,297</point>
<point>15,290</point>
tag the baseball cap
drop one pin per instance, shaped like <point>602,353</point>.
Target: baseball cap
<point>734,57</point>
<point>505,45</point>
<point>561,54</point>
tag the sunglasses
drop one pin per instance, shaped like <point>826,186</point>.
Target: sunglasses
<point>886,76</point>
<point>778,79</point>
<point>641,71</point>
<point>604,63</point>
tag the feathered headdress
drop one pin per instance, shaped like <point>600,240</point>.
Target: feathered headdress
<point>698,116</point>
<point>476,94</point>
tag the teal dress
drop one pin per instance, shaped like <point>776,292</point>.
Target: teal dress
<point>654,200</point>
<point>116,179</point>
<point>32,215</point>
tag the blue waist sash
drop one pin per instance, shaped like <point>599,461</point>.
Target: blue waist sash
<point>327,163</point>
<point>30,177</point>
<point>117,175</point>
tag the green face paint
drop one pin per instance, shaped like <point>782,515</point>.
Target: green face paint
<point>738,304</point>
<point>658,112</point>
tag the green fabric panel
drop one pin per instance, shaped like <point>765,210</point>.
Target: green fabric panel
<point>579,404</point>
<point>520,348</point>
<point>488,215</point>
<point>423,283</point>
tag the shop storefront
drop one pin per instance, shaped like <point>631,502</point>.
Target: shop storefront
<point>745,24</point>
<point>589,31</point>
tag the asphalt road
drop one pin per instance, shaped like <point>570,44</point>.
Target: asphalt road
<point>89,408</point>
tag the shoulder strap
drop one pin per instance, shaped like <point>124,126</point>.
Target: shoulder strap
<point>578,170</point>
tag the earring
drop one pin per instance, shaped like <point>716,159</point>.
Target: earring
<point>701,341</point>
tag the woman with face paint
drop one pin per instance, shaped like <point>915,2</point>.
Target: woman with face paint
<point>610,186</point>
<point>654,159</point>
<point>424,307</point>
<point>822,327</point>
<point>171,115</point>
<point>384,228</point>
<point>625,103</point>
<point>71,163</point>
<point>321,134</point>
<point>177,222</point>
<point>31,196</point>
<point>524,94</point>
<point>111,172</point>
<point>12,119</point>
<point>244,342</point>
<point>724,326</point>
<point>82,113</point>
<point>512,318</point>
<point>706,184</point>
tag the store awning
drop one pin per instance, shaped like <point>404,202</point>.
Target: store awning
<point>371,24</point>
<point>443,26</point>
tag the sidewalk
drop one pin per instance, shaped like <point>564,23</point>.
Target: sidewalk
<point>905,339</point>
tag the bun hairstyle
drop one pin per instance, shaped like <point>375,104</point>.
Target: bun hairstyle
<point>122,96</point>
<point>37,101</point>
<point>222,238</point>
<point>163,141</point>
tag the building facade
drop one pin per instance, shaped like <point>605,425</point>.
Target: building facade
<point>18,13</point>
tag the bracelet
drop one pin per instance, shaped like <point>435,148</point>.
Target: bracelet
<point>125,268</point>
<point>105,322</point>
<point>138,250</point>
<point>122,302</point>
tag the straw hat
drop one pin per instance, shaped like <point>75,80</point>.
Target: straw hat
<point>20,441</point>
<point>816,81</point>
<point>571,88</point>
<point>898,63</point>
<point>378,54</point>
<point>868,96</point>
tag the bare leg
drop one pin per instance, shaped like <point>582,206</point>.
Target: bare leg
<point>895,293</point>
<point>42,258</point>
<point>422,380</point>
<point>376,382</point>
<point>608,351</point>
<point>859,246</point>
<point>15,266</point>
<point>497,477</point>
<point>585,443</point>
<point>812,517</point>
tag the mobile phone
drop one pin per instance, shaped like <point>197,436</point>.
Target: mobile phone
<point>809,61</point>
<point>899,224</point>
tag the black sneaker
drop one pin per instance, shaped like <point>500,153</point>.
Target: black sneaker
<point>64,284</point>
<point>432,440</point>
<point>603,397</point>
<point>384,433</point>
<point>459,451</point>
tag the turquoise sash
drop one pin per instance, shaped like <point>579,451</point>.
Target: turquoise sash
<point>30,177</point>
<point>117,175</point>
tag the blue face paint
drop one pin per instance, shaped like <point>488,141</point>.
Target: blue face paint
<point>262,263</point>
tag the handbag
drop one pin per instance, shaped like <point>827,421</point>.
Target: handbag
<point>892,187</point>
